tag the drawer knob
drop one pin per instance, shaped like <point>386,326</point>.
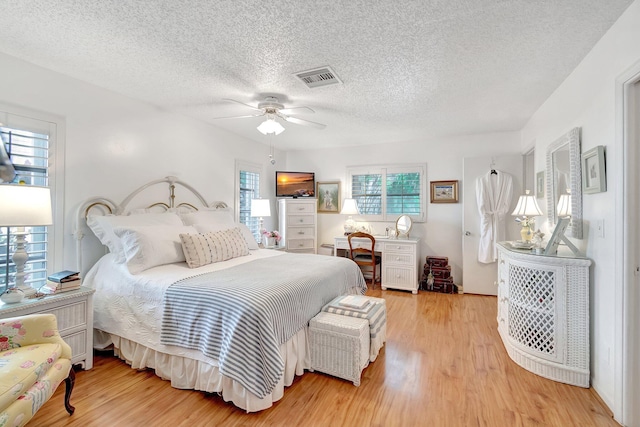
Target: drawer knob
<point>501,261</point>
<point>301,244</point>
<point>300,232</point>
<point>301,220</point>
<point>397,276</point>
<point>397,258</point>
<point>398,247</point>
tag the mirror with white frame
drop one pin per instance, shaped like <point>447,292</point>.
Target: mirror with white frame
<point>564,181</point>
<point>403,226</point>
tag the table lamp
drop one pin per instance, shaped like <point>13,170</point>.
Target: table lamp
<point>349,207</point>
<point>23,206</point>
<point>563,209</point>
<point>528,208</point>
<point>260,208</point>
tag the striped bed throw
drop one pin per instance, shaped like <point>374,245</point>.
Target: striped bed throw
<point>241,315</point>
<point>375,313</point>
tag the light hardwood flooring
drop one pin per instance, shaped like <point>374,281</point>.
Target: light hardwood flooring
<point>443,365</point>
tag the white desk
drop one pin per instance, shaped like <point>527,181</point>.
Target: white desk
<point>400,260</point>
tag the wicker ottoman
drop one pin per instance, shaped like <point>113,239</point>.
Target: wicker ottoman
<point>376,315</point>
<point>339,345</point>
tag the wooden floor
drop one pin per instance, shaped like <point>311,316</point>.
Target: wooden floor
<point>443,365</point>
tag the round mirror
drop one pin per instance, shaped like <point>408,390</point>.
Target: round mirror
<point>403,226</point>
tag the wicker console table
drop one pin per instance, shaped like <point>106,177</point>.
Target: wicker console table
<point>543,313</point>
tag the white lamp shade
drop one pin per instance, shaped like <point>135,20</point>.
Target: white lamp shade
<point>564,205</point>
<point>260,207</point>
<point>527,206</point>
<point>350,207</point>
<point>24,206</point>
<point>270,126</point>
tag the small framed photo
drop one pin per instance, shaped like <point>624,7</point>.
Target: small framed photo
<point>328,194</point>
<point>540,185</point>
<point>594,175</point>
<point>444,191</point>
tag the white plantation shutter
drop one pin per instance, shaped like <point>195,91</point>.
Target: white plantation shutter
<point>385,192</point>
<point>248,185</point>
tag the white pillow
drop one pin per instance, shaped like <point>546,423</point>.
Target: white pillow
<point>244,230</point>
<point>151,245</point>
<point>214,246</point>
<point>208,217</point>
<point>103,225</point>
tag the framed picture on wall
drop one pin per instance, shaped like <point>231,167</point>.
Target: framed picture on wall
<point>444,191</point>
<point>594,176</point>
<point>540,185</point>
<point>328,194</point>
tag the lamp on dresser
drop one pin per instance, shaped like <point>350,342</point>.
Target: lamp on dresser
<point>23,206</point>
<point>528,208</point>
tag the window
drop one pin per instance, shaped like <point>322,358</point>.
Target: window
<point>248,185</point>
<point>385,192</point>
<point>29,153</point>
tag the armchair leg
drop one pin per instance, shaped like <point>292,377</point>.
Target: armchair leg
<point>69,383</point>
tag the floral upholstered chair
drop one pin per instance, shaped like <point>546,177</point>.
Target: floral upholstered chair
<point>34,360</point>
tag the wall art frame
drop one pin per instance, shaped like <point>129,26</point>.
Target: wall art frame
<point>329,197</point>
<point>444,191</point>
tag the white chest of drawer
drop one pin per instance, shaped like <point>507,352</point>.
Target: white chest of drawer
<point>298,224</point>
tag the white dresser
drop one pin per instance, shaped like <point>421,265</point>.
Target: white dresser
<point>74,313</point>
<point>543,313</point>
<point>400,260</point>
<point>298,224</point>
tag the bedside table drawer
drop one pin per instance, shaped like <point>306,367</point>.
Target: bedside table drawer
<point>70,316</point>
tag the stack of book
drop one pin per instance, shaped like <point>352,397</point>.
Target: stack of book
<point>62,281</point>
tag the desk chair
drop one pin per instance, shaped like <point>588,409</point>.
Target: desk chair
<point>364,256</point>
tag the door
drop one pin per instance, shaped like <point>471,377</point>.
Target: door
<point>479,278</point>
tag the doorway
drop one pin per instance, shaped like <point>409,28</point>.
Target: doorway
<point>479,278</point>
<point>627,370</point>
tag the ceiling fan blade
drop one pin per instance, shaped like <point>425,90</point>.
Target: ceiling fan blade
<point>237,117</point>
<point>297,110</point>
<point>242,103</point>
<point>302,122</point>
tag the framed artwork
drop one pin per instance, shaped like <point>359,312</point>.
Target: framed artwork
<point>328,194</point>
<point>594,176</point>
<point>540,185</point>
<point>444,191</point>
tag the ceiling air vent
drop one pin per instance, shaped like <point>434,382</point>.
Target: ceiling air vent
<point>318,77</point>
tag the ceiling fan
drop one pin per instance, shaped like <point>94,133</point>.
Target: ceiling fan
<point>272,109</point>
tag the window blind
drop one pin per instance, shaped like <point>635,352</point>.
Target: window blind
<point>249,189</point>
<point>385,192</point>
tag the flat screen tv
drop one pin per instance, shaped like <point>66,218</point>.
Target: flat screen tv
<point>295,184</point>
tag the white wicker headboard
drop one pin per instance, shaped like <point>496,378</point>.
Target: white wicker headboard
<point>88,247</point>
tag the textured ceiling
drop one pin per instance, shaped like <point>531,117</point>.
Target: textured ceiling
<point>411,69</point>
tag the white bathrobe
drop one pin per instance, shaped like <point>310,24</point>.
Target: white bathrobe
<point>493,193</point>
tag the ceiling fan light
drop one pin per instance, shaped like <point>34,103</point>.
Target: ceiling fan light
<point>270,126</point>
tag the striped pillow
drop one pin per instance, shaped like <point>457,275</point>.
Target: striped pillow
<point>214,246</point>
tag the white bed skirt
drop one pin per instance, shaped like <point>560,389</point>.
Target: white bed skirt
<point>186,373</point>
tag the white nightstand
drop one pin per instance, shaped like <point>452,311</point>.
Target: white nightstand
<point>74,311</point>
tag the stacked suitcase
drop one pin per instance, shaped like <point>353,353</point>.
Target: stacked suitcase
<point>441,271</point>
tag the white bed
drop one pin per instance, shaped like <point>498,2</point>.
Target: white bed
<point>128,315</point>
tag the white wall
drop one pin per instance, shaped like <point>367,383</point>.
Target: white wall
<point>114,144</point>
<point>441,234</point>
<point>587,100</point>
